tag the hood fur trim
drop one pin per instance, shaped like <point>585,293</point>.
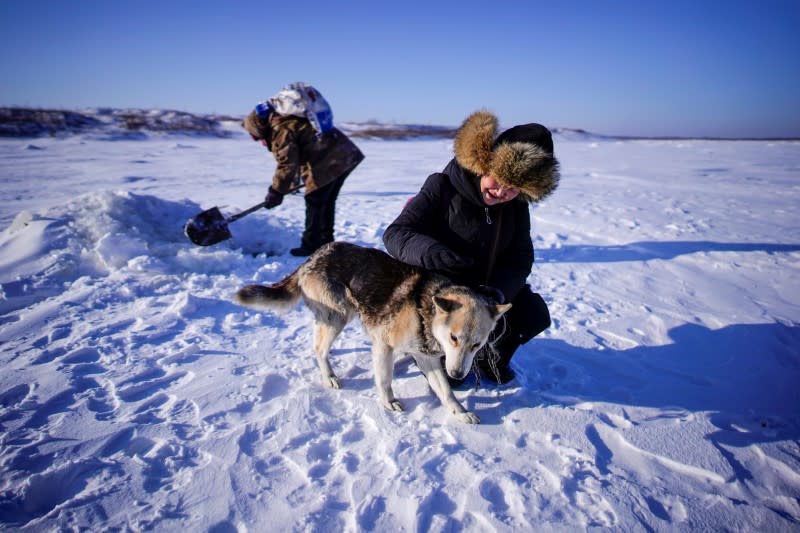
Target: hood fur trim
<point>474,140</point>
<point>527,167</point>
<point>524,165</point>
<point>253,125</point>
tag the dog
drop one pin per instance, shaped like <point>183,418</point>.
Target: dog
<point>403,308</point>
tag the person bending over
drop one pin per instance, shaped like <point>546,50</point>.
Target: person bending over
<point>320,162</point>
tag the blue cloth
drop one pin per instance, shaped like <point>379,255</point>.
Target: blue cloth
<point>262,109</point>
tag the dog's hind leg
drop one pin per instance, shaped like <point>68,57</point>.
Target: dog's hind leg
<point>384,372</point>
<point>324,335</point>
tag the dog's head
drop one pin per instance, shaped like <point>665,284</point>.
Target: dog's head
<point>462,323</point>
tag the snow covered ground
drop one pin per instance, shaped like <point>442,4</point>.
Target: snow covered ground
<point>135,395</point>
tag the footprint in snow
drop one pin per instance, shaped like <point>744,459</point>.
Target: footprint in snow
<point>15,395</point>
<point>141,391</point>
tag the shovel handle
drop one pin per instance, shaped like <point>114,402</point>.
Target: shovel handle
<point>256,207</point>
<point>246,212</point>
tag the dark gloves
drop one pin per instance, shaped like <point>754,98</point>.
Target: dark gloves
<point>493,293</point>
<point>444,259</point>
<point>273,199</point>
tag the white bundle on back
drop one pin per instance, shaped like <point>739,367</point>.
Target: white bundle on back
<point>303,100</point>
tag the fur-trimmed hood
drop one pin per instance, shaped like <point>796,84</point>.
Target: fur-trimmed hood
<point>520,157</point>
<point>255,125</point>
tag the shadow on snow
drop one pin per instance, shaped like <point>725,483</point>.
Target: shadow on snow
<point>745,375</point>
<point>648,250</point>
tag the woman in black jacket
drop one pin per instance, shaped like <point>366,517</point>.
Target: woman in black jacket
<point>471,223</point>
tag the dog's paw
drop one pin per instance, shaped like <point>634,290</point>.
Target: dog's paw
<point>468,418</point>
<point>332,382</point>
<point>393,405</point>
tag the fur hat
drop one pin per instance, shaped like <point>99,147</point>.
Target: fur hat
<point>520,157</point>
<point>255,125</point>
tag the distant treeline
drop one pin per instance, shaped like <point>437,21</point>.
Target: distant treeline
<point>136,123</point>
<point>110,123</point>
<point>32,122</point>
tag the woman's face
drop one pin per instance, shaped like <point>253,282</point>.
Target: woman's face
<point>493,193</point>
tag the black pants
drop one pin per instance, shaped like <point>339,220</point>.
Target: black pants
<point>321,214</point>
<point>527,318</point>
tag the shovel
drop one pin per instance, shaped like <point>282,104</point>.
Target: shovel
<point>211,227</point>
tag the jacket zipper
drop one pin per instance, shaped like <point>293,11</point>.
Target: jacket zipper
<point>488,218</point>
<point>495,244</point>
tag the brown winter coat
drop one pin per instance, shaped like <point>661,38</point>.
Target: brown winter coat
<point>301,156</point>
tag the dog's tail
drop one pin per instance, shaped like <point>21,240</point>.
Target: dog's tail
<point>282,294</point>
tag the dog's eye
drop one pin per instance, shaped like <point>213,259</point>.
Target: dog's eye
<point>454,339</point>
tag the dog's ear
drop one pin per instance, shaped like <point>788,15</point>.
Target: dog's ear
<point>494,294</point>
<point>497,310</point>
<point>446,305</point>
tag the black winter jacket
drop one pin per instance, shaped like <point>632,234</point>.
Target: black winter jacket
<point>448,228</point>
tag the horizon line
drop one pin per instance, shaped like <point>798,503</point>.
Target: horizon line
<point>556,129</point>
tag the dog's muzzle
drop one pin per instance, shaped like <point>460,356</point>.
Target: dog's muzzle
<point>457,374</point>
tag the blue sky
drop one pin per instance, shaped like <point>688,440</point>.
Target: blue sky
<point>699,67</point>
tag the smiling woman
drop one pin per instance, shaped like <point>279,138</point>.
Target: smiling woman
<point>471,223</point>
<point>494,193</point>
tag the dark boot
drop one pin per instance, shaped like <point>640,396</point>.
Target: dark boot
<point>495,365</point>
<point>527,318</point>
<point>496,372</point>
<point>301,251</point>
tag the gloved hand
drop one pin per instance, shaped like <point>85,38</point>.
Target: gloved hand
<point>443,258</point>
<point>493,293</point>
<point>273,199</point>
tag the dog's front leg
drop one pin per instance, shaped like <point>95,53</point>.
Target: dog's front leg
<point>384,372</point>
<point>437,379</point>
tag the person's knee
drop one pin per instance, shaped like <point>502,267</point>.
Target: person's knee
<point>543,316</point>
<point>529,315</point>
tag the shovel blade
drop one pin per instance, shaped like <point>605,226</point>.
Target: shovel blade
<point>207,228</point>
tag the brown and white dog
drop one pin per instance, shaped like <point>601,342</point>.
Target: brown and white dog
<point>403,309</point>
